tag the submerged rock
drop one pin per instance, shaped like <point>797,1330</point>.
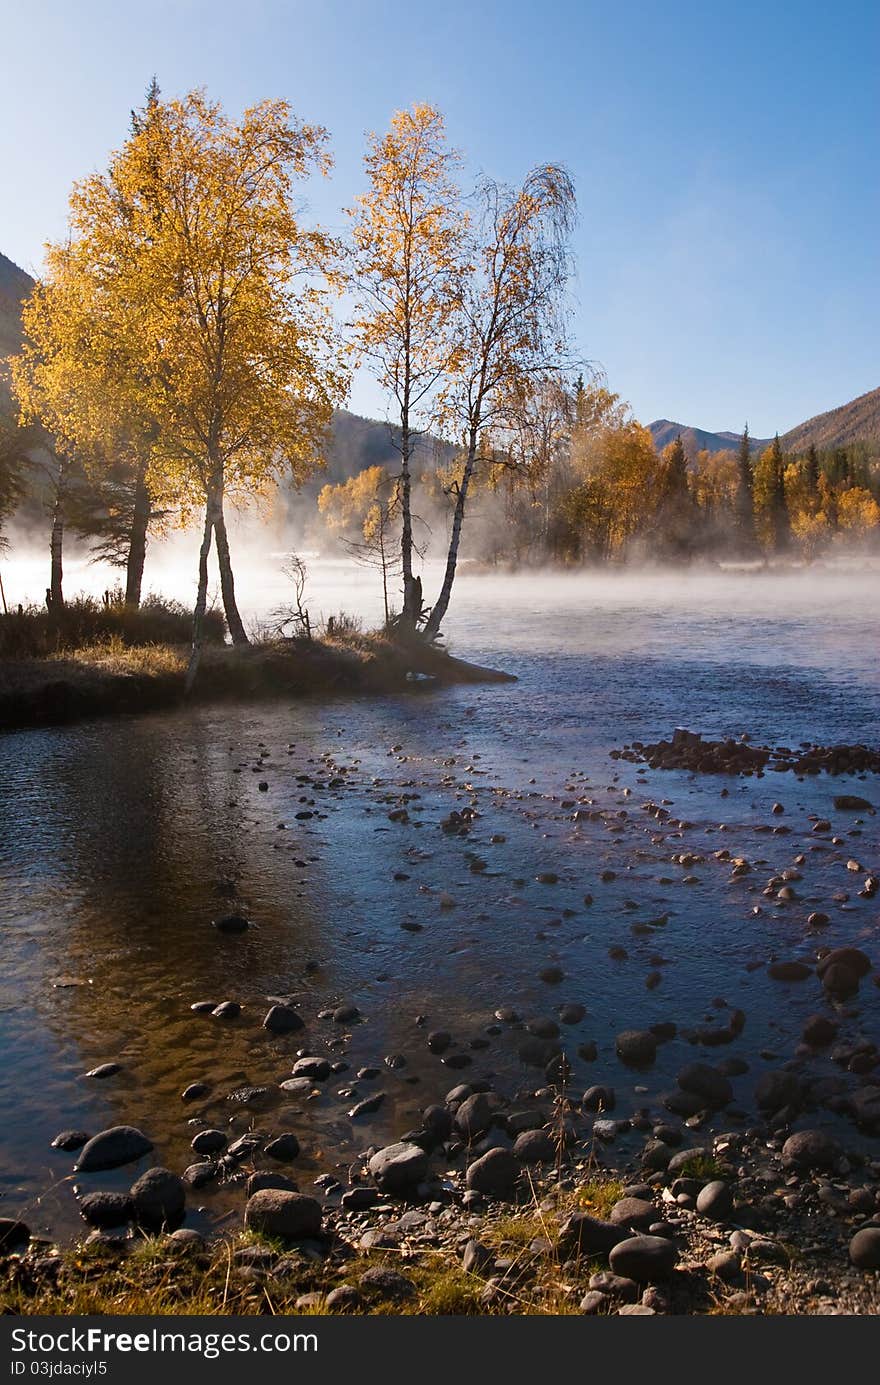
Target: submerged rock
<point>111,1148</point>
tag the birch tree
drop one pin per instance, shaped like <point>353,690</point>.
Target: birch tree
<point>408,241</point>
<point>207,287</point>
<point>511,328</point>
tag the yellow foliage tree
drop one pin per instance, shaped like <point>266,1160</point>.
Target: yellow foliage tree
<point>858,513</point>
<point>202,281</point>
<point>407,266</point>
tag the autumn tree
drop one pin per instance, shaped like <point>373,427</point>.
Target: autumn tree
<point>407,231</point>
<point>213,294</point>
<point>675,522</point>
<point>511,328</point>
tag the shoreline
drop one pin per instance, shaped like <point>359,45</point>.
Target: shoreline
<point>746,1226</point>
<point>124,680</point>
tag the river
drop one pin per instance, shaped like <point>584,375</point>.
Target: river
<point>121,840</point>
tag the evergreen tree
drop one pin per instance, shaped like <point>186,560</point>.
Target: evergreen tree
<point>812,469</point>
<point>744,506</point>
<point>781,525</point>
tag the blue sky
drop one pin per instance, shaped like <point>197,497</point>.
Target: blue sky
<point>725,156</point>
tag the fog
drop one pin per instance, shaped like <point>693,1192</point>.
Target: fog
<point>541,608</point>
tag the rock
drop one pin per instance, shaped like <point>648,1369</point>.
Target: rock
<point>774,1090</point>
<point>104,1070</point>
<point>615,1286</point>
<point>346,1014</point>
<point>318,1069</point>
<point>599,1099</point>
<point>284,1148</point>
<point>534,1147</point>
<point>494,1174</point>
<point>197,1175</point>
<point>634,1212</point>
<point>818,1031</point>
<point>280,1019</point>
<point>265,1179</point>
<point>636,1047</point>
<point>475,1116</point>
<point>594,1302</point>
<point>840,982</point>
<point>810,1149</point>
<point>851,957</point>
<point>359,1199</point>
<point>111,1148</point>
<point>439,1040</point>
<point>476,1257</point>
<point>706,1082</point>
<point>571,1014</point>
<point>582,1235</point>
<point>644,1258</point>
<point>382,1282</point>
<point>851,803</point>
<point>289,1216</point>
<point>367,1106</point>
<point>194,1091</point>
<point>864,1248</point>
<point>70,1140</point>
<point>715,1200</point>
<point>106,1209</point>
<point>552,975</point>
<point>226,1010</point>
<point>13,1233</point>
<point>637,1310</point>
<point>727,1265</point>
<point>344,1298</point>
<point>232,923</point>
<point>399,1168</point>
<point>208,1142</point>
<point>789,971</point>
<point>158,1198</point>
<point>186,1240</point>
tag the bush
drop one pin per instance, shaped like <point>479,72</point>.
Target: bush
<point>32,632</point>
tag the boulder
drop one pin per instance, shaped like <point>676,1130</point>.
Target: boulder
<point>494,1174</point>
<point>636,1047</point>
<point>644,1258</point>
<point>158,1199</point>
<point>399,1168</point>
<point>111,1148</point>
<point>583,1235</point>
<point>864,1248</point>
<point>707,1083</point>
<point>715,1200</point>
<point>289,1216</point>
<point>280,1019</point>
<point>810,1149</point>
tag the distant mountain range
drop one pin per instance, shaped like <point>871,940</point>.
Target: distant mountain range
<point>857,421</point>
<point>357,442</point>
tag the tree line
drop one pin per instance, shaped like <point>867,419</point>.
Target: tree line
<point>584,484</point>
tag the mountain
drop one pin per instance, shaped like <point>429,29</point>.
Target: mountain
<point>15,285</point>
<point>857,421</point>
<point>696,440</point>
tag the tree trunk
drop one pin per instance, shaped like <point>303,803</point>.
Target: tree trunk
<point>137,546</point>
<point>438,611</point>
<point>201,598</point>
<point>412,594</point>
<point>56,542</point>
<point>227,581</point>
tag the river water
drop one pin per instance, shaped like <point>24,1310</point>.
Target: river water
<point>121,840</point>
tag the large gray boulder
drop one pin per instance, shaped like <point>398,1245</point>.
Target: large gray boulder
<point>289,1216</point>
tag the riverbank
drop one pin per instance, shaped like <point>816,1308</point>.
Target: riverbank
<point>748,1225</point>
<point>113,678</point>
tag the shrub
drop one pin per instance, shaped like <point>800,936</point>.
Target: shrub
<point>32,632</point>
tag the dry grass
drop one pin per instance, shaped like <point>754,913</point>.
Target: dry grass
<point>114,656</point>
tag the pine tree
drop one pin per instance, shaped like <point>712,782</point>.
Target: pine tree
<point>745,508</point>
<point>778,507</point>
<point>813,469</point>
